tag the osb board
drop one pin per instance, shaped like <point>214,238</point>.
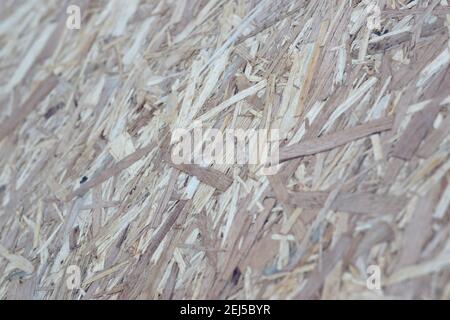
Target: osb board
<point>86,116</point>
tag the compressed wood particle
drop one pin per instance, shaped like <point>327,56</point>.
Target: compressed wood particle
<point>93,206</point>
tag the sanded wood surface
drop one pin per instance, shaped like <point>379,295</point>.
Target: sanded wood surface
<point>86,119</point>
